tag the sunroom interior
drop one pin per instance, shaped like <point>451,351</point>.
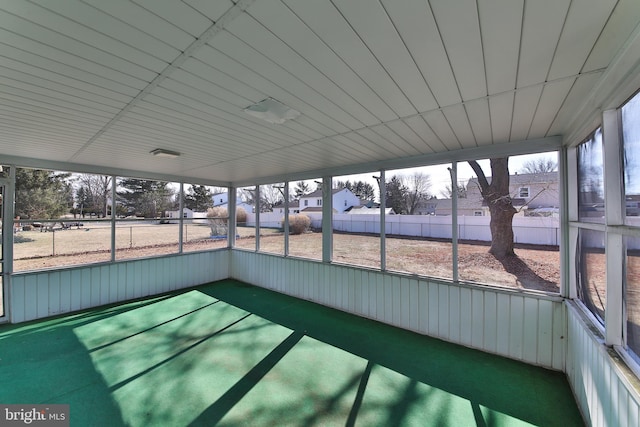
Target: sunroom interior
<point>245,97</point>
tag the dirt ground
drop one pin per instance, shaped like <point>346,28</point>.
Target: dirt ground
<point>535,267</point>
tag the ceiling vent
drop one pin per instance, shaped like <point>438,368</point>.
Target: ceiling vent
<point>272,111</point>
<point>161,152</point>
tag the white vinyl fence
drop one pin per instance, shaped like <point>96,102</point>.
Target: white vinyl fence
<point>532,230</point>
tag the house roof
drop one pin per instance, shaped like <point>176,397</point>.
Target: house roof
<point>318,193</point>
<point>525,178</point>
<point>95,86</point>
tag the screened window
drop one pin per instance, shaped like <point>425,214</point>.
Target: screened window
<point>205,218</point>
<point>591,271</point>
<point>305,226</point>
<point>356,220</point>
<point>591,179</point>
<point>145,226</point>
<point>61,219</point>
<point>631,138</point>
<point>632,295</point>
<point>245,218</point>
<point>271,230</point>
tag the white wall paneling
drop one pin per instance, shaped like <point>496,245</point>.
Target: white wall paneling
<point>51,292</point>
<point>601,383</point>
<point>526,327</point>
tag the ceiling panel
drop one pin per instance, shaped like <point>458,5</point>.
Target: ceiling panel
<point>375,81</point>
<point>390,137</point>
<point>582,27</point>
<point>33,79</point>
<point>420,127</point>
<point>459,122</point>
<point>480,120</point>
<point>55,72</point>
<point>15,46</point>
<point>179,14</point>
<point>501,114</point>
<point>501,26</point>
<point>405,132</point>
<point>304,54</point>
<point>364,144</point>
<point>441,127</point>
<point>524,107</point>
<point>417,27</point>
<point>287,88</point>
<point>552,98</point>
<point>343,39</point>
<point>211,9</point>
<point>619,27</point>
<point>66,26</point>
<point>541,29</point>
<point>371,21</point>
<point>460,31</point>
<point>104,23</point>
<point>579,91</point>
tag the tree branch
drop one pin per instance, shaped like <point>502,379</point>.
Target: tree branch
<point>482,179</point>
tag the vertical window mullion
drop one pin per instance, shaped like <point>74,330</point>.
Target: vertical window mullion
<point>614,216</point>
<point>382,188</point>
<point>327,219</point>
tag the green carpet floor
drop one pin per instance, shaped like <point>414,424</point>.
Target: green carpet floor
<point>231,354</point>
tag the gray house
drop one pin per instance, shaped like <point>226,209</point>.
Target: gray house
<point>533,194</point>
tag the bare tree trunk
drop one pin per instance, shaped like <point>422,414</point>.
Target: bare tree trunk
<point>497,197</point>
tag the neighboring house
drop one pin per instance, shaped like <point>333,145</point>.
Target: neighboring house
<point>186,214</point>
<point>363,210</point>
<point>342,199</point>
<point>531,194</point>
<point>220,199</point>
<point>294,208</point>
<point>426,207</point>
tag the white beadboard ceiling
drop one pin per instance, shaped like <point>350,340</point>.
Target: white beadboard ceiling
<point>102,83</point>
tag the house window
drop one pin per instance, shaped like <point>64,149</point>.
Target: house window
<point>319,202</point>
<point>345,203</point>
<point>523,192</point>
<point>306,203</point>
<point>477,213</point>
<point>184,215</point>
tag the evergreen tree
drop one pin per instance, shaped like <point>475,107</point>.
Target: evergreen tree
<point>198,198</point>
<point>146,198</point>
<point>395,195</point>
<point>302,188</point>
<point>42,194</point>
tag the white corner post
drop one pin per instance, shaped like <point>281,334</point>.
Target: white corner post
<point>382,188</point>
<point>256,208</point>
<point>181,220</point>
<point>454,220</point>
<point>231,211</point>
<point>327,219</point>
<point>286,218</point>
<point>114,214</point>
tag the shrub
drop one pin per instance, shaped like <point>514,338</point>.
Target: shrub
<point>298,224</point>
<point>241,216</point>
<point>218,218</point>
<point>217,221</point>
